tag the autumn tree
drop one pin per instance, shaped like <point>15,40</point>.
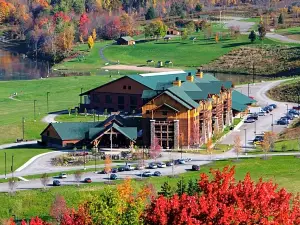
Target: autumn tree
<point>237,145</point>
<point>77,217</point>
<point>58,208</point>
<point>217,38</point>
<point>268,142</point>
<point>84,22</point>
<point>262,32</point>
<point>126,25</point>
<point>45,180</point>
<point>223,200</point>
<point>107,164</point>
<point>184,34</point>
<point>209,146</point>
<point>78,175</point>
<point>155,149</point>
<point>90,42</point>
<point>94,34</point>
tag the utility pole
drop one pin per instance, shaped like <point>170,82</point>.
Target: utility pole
<point>5,165</point>
<point>253,73</point>
<point>48,101</point>
<point>23,128</point>
<point>248,89</point>
<point>81,90</point>
<point>94,115</point>
<point>245,140</point>
<point>287,108</point>
<point>34,118</point>
<point>255,128</point>
<point>272,125</point>
<point>84,148</point>
<point>12,166</point>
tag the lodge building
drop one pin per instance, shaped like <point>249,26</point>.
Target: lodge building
<point>176,109</point>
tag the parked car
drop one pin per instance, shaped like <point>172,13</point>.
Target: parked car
<point>282,122</point>
<point>262,113</point>
<point>195,167</point>
<point>62,175</point>
<point>56,183</point>
<point>147,174</point>
<point>181,161</point>
<point>161,165</point>
<point>293,111</point>
<point>113,176</point>
<point>258,139</point>
<point>157,174</point>
<point>140,167</point>
<point>152,166</point>
<point>296,107</point>
<point>254,116</point>
<point>128,167</point>
<point>266,109</point>
<point>121,169</point>
<point>114,170</point>
<point>249,120</point>
<point>87,180</point>
<point>290,116</point>
<point>188,159</point>
<point>81,153</point>
<point>273,105</point>
<point>286,118</point>
<point>170,163</point>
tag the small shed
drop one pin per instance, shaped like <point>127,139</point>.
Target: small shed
<point>126,40</point>
<point>173,31</point>
<point>168,63</point>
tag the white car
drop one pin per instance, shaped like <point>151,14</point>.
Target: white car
<point>181,161</point>
<point>262,113</point>
<point>63,175</point>
<point>152,166</point>
<point>140,167</point>
<point>147,174</point>
<point>161,165</point>
<point>129,167</point>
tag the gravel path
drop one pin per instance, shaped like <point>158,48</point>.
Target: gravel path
<point>137,68</point>
<point>102,56</point>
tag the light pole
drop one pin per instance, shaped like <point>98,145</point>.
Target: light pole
<point>48,101</point>
<point>84,148</point>
<point>255,128</point>
<point>287,108</point>
<point>245,140</point>
<point>34,103</point>
<point>5,165</point>
<point>12,165</point>
<point>272,124</point>
<point>81,90</point>
<point>248,89</point>
<point>23,128</point>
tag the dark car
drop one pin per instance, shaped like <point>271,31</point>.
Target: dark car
<point>249,120</point>
<point>113,176</point>
<point>258,140</point>
<point>289,116</point>
<point>282,122</point>
<point>157,174</point>
<point>195,167</point>
<point>147,174</point>
<point>121,169</point>
<point>87,180</point>
<point>170,163</point>
<point>56,183</point>
<point>114,170</point>
<point>274,106</point>
<point>254,116</point>
<point>267,109</point>
<point>293,111</point>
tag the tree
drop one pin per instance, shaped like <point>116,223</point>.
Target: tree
<point>223,200</point>
<point>150,14</point>
<point>84,23</point>
<point>209,147</point>
<point>184,34</point>
<point>126,25</point>
<point>45,180</point>
<point>237,145</point>
<point>268,142</point>
<point>79,217</point>
<point>78,175</point>
<point>198,8</point>
<point>58,208</point>
<point>90,42</point>
<point>262,32</point>
<point>192,187</point>
<point>94,34</point>
<point>217,38</point>
<point>190,26</point>
<point>166,190</point>
<point>281,19</point>
<point>252,36</point>
<point>107,165</point>
<point>181,187</point>
<point>155,149</point>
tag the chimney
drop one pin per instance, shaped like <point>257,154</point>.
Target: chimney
<point>199,73</point>
<point>190,77</point>
<point>177,82</point>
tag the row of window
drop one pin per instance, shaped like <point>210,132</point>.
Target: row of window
<point>121,100</point>
<point>127,87</point>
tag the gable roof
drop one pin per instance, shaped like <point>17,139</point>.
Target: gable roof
<point>127,38</point>
<point>238,107</point>
<point>168,106</point>
<point>241,98</point>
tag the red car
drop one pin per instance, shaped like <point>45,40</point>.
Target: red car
<point>296,107</point>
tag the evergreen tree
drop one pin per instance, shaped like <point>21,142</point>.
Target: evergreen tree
<point>150,13</point>
<point>192,187</point>
<point>166,190</point>
<point>252,36</point>
<point>198,8</point>
<point>181,187</point>
<point>280,19</point>
<point>262,32</point>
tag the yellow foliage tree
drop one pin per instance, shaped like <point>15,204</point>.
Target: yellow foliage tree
<point>237,145</point>
<point>209,146</point>
<point>91,42</point>
<point>217,38</point>
<point>81,39</point>
<point>4,10</point>
<point>268,142</point>
<point>94,34</point>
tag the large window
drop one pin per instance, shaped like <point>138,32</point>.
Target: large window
<point>121,100</point>
<point>133,100</point>
<point>108,99</point>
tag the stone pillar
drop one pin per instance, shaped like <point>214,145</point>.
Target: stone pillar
<point>231,116</point>
<point>216,125</point>
<point>152,131</point>
<point>176,134</point>
<point>204,131</point>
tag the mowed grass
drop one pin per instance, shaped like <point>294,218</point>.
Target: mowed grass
<point>183,53</point>
<point>21,156</point>
<point>64,94</point>
<point>282,170</point>
<point>79,118</point>
<point>291,30</point>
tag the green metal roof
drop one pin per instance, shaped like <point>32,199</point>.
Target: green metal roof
<point>241,98</point>
<point>127,38</point>
<point>178,99</point>
<point>238,107</point>
<point>180,93</point>
<point>73,130</point>
<point>147,94</point>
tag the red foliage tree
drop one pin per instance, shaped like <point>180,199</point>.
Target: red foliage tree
<point>61,16</point>
<point>58,208</point>
<point>155,149</point>
<point>84,22</point>
<point>225,201</point>
<point>79,217</point>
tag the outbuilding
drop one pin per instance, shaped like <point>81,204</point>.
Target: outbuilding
<point>126,40</point>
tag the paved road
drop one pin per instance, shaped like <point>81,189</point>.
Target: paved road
<point>246,26</point>
<point>258,91</point>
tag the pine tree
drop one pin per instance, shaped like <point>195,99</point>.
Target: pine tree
<point>166,190</point>
<point>280,19</point>
<point>192,187</point>
<point>252,36</point>
<point>181,187</point>
<point>150,14</point>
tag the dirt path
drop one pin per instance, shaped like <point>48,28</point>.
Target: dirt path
<point>136,68</point>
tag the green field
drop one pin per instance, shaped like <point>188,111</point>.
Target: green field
<point>290,31</point>
<point>64,93</point>
<point>78,118</point>
<point>181,53</point>
<point>21,156</point>
<point>25,204</point>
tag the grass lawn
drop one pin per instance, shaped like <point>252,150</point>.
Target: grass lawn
<point>292,32</point>
<point>64,93</point>
<point>78,118</point>
<point>21,156</point>
<point>190,55</point>
<point>25,204</point>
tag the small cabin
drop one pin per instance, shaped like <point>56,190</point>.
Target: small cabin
<point>126,40</point>
<point>173,31</point>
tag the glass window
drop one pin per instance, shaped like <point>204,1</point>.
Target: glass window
<point>129,87</point>
<point>108,99</point>
<point>124,87</point>
<point>121,100</point>
<point>133,100</point>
